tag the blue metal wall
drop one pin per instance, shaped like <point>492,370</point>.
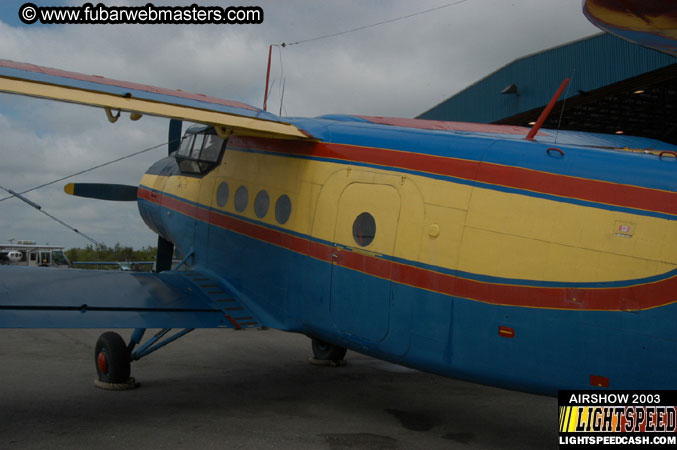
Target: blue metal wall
<point>594,62</point>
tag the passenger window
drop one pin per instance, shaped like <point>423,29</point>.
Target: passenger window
<point>241,198</point>
<point>261,204</point>
<point>364,229</point>
<point>222,194</point>
<point>282,209</point>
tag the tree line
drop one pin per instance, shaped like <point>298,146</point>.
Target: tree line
<point>117,253</point>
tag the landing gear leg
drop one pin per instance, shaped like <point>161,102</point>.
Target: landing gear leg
<point>326,354</point>
<point>112,360</point>
<point>113,357</point>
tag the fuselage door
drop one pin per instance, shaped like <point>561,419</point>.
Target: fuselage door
<point>366,228</point>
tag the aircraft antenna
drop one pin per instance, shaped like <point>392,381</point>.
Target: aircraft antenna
<point>546,111</point>
<point>352,30</point>
<point>661,139</point>
<point>383,22</point>
<point>281,78</point>
<point>39,208</point>
<point>282,97</point>
<point>564,102</point>
<point>272,86</point>
<point>265,93</point>
<point>667,133</point>
<point>281,65</point>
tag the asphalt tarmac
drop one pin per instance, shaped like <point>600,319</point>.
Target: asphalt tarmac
<point>250,389</point>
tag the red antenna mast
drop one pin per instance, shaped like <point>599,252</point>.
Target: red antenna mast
<point>546,111</point>
<point>265,95</point>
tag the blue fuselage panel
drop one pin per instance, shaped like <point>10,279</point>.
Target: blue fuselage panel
<point>548,349</point>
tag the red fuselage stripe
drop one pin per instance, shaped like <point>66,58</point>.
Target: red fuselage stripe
<point>642,296</point>
<point>604,192</point>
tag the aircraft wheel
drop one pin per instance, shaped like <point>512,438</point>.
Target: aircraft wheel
<point>111,357</point>
<point>327,352</point>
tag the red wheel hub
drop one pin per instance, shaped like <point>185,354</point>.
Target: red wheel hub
<point>102,362</point>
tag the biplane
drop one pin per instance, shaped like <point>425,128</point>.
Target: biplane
<point>461,249</point>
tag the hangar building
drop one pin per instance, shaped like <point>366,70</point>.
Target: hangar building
<point>616,87</point>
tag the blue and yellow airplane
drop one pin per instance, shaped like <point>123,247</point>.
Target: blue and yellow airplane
<point>460,249</point>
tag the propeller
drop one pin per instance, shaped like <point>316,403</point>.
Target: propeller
<point>103,191</point>
<point>126,193</point>
<point>165,247</point>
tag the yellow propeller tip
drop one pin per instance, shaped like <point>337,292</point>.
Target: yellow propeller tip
<point>69,188</point>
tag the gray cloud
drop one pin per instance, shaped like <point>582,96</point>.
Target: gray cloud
<point>398,69</point>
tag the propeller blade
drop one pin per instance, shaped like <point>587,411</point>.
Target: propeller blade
<point>165,248</point>
<point>165,253</point>
<point>102,191</point>
<point>174,135</point>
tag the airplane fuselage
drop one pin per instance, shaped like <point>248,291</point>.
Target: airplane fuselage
<point>527,265</point>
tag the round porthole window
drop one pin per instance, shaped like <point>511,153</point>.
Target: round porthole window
<point>241,198</point>
<point>364,229</point>
<point>282,209</point>
<point>222,194</point>
<point>261,204</point>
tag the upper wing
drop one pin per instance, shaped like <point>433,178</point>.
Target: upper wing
<point>39,297</point>
<point>45,82</point>
<point>652,23</point>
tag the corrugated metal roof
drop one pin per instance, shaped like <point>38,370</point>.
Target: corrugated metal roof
<point>591,63</point>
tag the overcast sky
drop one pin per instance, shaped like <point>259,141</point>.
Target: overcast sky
<point>398,69</point>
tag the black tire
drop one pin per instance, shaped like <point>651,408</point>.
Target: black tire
<point>328,352</point>
<point>111,358</point>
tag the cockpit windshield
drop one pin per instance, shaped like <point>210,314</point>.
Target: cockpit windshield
<point>200,150</point>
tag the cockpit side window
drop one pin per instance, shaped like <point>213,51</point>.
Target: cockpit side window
<point>186,145</point>
<point>197,146</point>
<point>212,148</point>
<point>200,150</point>
<point>189,166</point>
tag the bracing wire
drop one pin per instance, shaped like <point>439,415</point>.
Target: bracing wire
<point>564,102</point>
<point>98,166</point>
<point>352,30</point>
<point>281,79</point>
<point>272,85</point>
<point>281,98</point>
<point>281,66</point>
<point>383,22</point>
<point>39,208</point>
<point>91,169</point>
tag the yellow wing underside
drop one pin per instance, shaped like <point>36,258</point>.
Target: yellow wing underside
<point>239,124</point>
